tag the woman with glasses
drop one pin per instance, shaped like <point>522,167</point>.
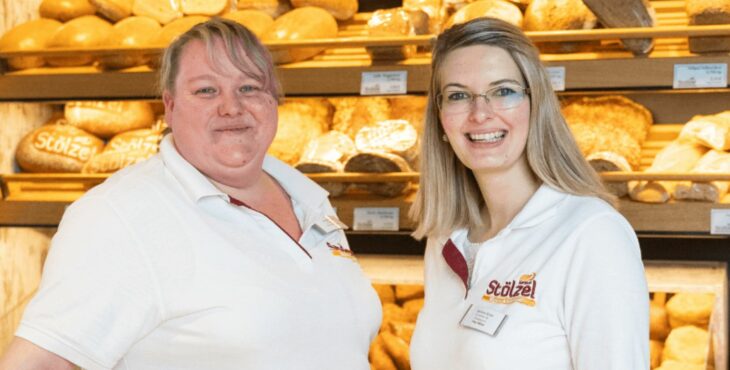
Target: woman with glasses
<point>528,265</point>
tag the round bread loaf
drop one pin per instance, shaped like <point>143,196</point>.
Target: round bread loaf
<point>203,7</point>
<point>274,8</point>
<point>555,15</point>
<point>65,10</point>
<point>106,119</point>
<point>164,11</point>
<point>690,309</point>
<point>500,9</point>
<point>32,35</point>
<point>688,344</point>
<point>340,9</point>
<point>301,24</point>
<point>56,148</point>
<point>130,32</point>
<point>170,31</point>
<point>113,10</point>
<point>256,21</point>
<point>82,32</point>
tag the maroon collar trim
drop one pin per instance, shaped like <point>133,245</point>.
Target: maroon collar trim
<point>456,261</point>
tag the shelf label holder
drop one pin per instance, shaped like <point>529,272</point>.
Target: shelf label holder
<point>720,221</point>
<point>699,76</point>
<point>557,77</point>
<point>384,83</point>
<point>376,219</point>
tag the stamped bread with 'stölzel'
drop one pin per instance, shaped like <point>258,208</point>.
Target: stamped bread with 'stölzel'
<point>108,118</point>
<point>57,148</point>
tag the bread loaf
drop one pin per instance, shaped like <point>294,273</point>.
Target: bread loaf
<point>614,110</point>
<point>56,148</point>
<point>31,35</point>
<point>203,7</point>
<point>688,344</point>
<point>713,161</point>
<point>124,150</point>
<point>390,22</point>
<point>300,24</point>
<point>340,9</point>
<point>164,11</point>
<point>274,8</point>
<point>114,10</point>
<point>500,9</point>
<point>712,131</point>
<point>65,10</point>
<point>678,156</point>
<point>556,15</point>
<point>82,32</point>
<point>108,118</point>
<point>688,308</point>
<point>327,153</point>
<point>392,136</point>
<point>256,21</point>
<point>353,113</point>
<point>379,162</point>
<point>172,30</point>
<point>130,32</point>
<point>409,108</point>
<point>707,12</point>
<point>626,13</point>
<point>300,122</point>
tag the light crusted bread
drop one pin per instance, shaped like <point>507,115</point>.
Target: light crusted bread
<point>690,309</point>
<point>300,121</point>
<point>353,113</point>
<point>65,10</point>
<point>56,148</point>
<point>172,30</point>
<point>81,32</point>
<point>403,330</point>
<point>397,348</point>
<point>678,156</point>
<point>31,35</point>
<point>129,32</point>
<point>203,7</point>
<point>164,11</point>
<point>114,10</point>
<point>327,153</point>
<point>256,21</point>
<point>707,12</point>
<point>714,161</point>
<point>500,9</point>
<point>390,136</point>
<point>340,9</point>
<point>556,15</point>
<point>688,344</point>
<point>108,118</point>
<point>626,13</point>
<point>274,8</point>
<point>712,131</point>
<point>390,22</point>
<point>300,24</point>
<point>110,162</point>
<point>410,108</point>
<point>615,110</point>
<point>124,150</point>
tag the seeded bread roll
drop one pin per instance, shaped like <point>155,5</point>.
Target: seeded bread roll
<point>56,148</point>
<point>500,9</point>
<point>300,24</point>
<point>164,11</point>
<point>129,32</point>
<point>256,21</point>
<point>82,32</point>
<point>65,10</point>
<point>32,35</point>
<point>108,118</point>
<point>707,12</point>
<point>340,9</point>
<point>114,10</point>
<point>274,8</point>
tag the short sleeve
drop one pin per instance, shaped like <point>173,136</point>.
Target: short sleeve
<point>97,296</point>
<point>606,298</point>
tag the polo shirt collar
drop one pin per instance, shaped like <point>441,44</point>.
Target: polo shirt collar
<point>197,186</point>
<point>541,207</point>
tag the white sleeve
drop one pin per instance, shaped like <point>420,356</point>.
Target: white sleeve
<point>97,296</point>
<point>606,298</point>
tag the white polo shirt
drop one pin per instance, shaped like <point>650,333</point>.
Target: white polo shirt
<point>566,273</point>
<point>156,269</point>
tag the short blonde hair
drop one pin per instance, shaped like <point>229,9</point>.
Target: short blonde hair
<point>449,197</point>
<point>238,43</point>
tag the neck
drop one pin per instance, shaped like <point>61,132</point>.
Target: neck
<point>254,189</point>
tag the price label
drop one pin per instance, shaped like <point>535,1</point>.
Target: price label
<point>384,83</point>
<point>697,76</point>
<point>720,221</point>
<point>557,77</point>
<point>376,219</point>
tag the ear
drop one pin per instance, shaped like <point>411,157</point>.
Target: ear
<point>169,102</point>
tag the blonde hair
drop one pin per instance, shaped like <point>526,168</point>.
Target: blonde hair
<point>238,43</point>
<point>449,196</point>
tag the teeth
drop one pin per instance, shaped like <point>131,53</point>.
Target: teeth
<point>489,137</point>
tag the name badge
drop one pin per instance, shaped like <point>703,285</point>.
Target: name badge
<point>330,223</point>
<point>481,318</point>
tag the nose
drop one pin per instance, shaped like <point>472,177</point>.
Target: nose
<point>230,105</point>
<point>481,107</point>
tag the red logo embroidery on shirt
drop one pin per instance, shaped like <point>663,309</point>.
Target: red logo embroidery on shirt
<point>508,292</point>
<point>340,251</point>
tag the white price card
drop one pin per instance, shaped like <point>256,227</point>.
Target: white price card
<point>697,76</point>
<point>720,221</point>
<point>384,83</point>
<point>376,219</point>
<point>557,77</point>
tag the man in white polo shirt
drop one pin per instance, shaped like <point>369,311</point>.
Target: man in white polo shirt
<point>210,255</point>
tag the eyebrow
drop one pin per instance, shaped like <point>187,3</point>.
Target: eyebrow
<point>493,83</point>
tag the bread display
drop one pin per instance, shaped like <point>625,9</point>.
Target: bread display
<point>130,32</point>
<point>274,8</point>
<point>114,10</point>
<point>557,15</point>
<point>256,21</point>
<point>82,32</point>
<point>501,9</point>
<point>707,12</point>
<point>300,24</point>
<point>31,35</point>
<point>712,131</point>
<point>56,148</point>
<point>390,22</point>
<point>626,13</point>
<point>108,118</point>
<point>678,156</point>
<point>164,11</point>
<point>713,161</point>
<point>391,136</point>
<point>340,9</point>
<point>65,10</point>
<point>300,122</point>
<point>352,114</point>
<point>203,7</point>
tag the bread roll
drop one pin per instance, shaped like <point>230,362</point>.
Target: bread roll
<point>390,22</point>
<point>114,10</point>
<point>82,32</point>
<point>65,10</point>
<point>397,348</point>
<point>112,161</point>
<point>108,118</point>
<point>412,308</point>
<point>379,357</point>
<point>31,35</point>
<point>164,11</point>
<point>300,24</point>
<point>403,330</point>
<point>256,21</point>
<point>556,15</point>
<point>300,122</point>
<point>500,9</point>
<point>707,12</point>
<point>56,148</point>
<point>171,31</point>
<point>203,7</point>
<point>688,344</point>
<point>690,309</point>
<point>626,13</point>
<point>274,8</point>
<point>353,113</point>
<point>392,312</point>
<point>406,292</point>
<point>130,32</point>
<point>340,9</point>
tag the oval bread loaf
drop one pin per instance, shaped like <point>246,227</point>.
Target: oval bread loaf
<point>65,10</point>
<point>32,35</point>
<point>500,9</point>
<point>172,30</point>
<point>274,8</point>
<point>57,148</point>
<point>132,31</point>
<point>256,21</point>
<point>113,10</point>
<point>301,24</point>
<point>203,7</point>
<point>82,32</point>
<point>164,11</point>
<point>340,9</point>
<point>106,119</point>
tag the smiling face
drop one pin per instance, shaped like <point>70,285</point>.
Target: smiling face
<point>485,139</point>
<point>222,121</point>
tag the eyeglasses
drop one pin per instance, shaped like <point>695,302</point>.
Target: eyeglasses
<point>502,97</point>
